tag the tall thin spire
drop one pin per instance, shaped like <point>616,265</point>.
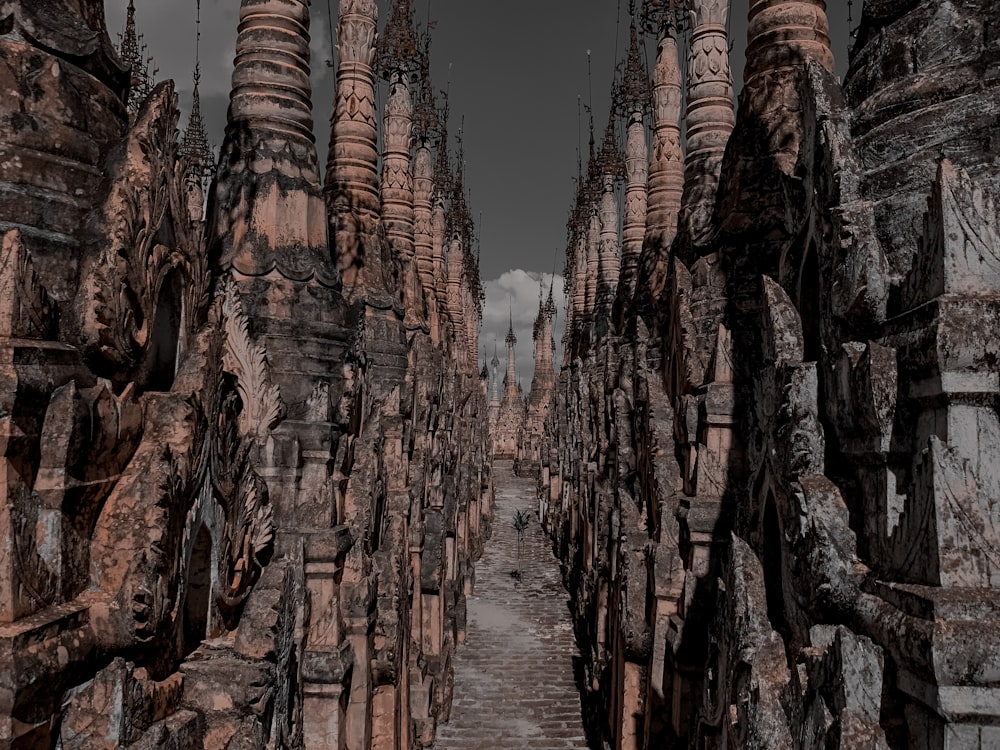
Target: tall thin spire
<point>194,147</point>
<point>510,379</point>
<point>397,59</point>
<point>610,168</point>
<point>134,54</point>
<point>635,102</point>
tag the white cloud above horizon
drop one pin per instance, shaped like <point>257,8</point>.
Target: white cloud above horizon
<point>513,299</point>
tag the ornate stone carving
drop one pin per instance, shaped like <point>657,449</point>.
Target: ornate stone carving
<point>26,309</point>
<point>709,115</point>
<point>262,406</point>
<point>666,170</point>
<point>126,290</point>
<point>352,176</point>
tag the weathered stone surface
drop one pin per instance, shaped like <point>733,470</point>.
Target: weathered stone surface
<point>221,467</point>
<point>797,424</point>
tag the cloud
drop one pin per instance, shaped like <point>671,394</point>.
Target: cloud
<point>512,299</point>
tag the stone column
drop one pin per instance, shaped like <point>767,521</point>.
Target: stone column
<point>269,166</point>
<point>579,299</point>
<point>710,116</point>
<point>785,33</point>
<point>636,167</point>
<point>781,37</point>
<point>423,195</point>
<point>592,269</point>
<point>609,263</point>
<point>439,233</point>
<point>398,190</point>
<point>455,311</point>
<point>510,379</point>
<point>666,162</point>
<point>54,87</point>
<point>352,175</point>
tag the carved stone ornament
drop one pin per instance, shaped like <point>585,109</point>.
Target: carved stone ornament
<point>26,309</point>
<point>150,236</point>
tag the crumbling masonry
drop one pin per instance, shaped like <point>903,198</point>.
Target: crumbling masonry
<point>244,481</point>
<point>772,470</point>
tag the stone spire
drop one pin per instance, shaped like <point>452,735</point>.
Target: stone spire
<point>666,162</point>
<point>351,187</point>
<point>709,117</point>
<point>461,229</point>
<point>544,376</point>
<point>267,211</point>
<point>783,34</point>
<point>439,223</point>
<point>635,101</point>
<point>63,104</point>
<point>591,270</point>
<point>510,379</point>
<point>398,58</point>
<point>610,168</point>
<point>134,55</point>
<point>194,148</point>
<point>456,308</point>
<point>495,369</point>
<point>542,382</point>
<point>590,232</point>
<point>426,130</point>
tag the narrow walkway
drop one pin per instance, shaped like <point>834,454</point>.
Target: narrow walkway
<point>514,685</point>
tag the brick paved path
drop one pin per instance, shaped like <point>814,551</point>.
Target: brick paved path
<point>514,685</point>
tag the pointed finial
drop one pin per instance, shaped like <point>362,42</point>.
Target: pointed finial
<point>397,50</point>
<point>133,53</point>
<point>194,147</point>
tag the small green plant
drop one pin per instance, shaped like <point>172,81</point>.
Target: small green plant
<point>521,520</point>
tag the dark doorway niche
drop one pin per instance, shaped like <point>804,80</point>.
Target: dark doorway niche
<point>165,334</point>
<point>809,305</point>
<point>197,600</point>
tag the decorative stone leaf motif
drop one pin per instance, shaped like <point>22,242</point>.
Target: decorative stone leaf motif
<point>244,358</point>
<point>150,234</point>
<point>26,309</point>
<point>35,582</point>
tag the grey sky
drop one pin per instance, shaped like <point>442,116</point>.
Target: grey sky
<point>514,69</point>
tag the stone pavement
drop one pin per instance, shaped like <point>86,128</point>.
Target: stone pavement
<point>514,685</point>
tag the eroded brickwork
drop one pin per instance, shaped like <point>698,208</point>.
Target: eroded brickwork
<point>770,483</point>
<point>243,487</point>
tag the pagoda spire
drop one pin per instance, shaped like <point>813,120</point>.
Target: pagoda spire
<point>510,379</point>
<point>666,159</point>
<point>781,37</point>
<point>709,117</point>
<point>194,147</point>
<point>352,182</point>
<point>268,169</point>
<point>397,59</point>
<point>610,167</point>
<point>426,130</point>
<point>134,55</point>
<point>635,103</point>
